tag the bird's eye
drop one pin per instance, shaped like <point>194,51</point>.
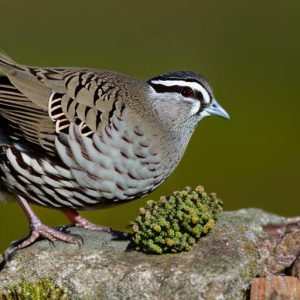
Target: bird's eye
<point>187,92</point>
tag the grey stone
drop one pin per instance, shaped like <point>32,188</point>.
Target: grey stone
<point>296,268</point>
<point>220,266</point>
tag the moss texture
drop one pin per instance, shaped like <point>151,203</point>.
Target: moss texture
<point>175,223</point>
<point>39,290</point>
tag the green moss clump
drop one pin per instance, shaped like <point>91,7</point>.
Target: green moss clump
<point>39,290</point>
<point>175,223</point>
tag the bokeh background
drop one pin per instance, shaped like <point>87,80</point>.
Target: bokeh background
<point>249,50</point>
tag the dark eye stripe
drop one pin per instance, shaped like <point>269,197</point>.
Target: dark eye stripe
<point>160,88</point>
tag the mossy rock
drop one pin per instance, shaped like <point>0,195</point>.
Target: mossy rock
<point>220,266</point>
<point>175,223</point>
<point>39,290</point>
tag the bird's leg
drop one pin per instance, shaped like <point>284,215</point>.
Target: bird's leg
<point>80,221</point>
<point>38,229</point>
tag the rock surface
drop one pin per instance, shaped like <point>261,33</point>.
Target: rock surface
<point>275,287</point>
<point>220,266</point>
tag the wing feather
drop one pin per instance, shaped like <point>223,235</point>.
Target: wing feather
<point>43,102</point>
<point>22,113</point>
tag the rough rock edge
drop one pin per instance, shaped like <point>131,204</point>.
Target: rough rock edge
<point>220,266</point>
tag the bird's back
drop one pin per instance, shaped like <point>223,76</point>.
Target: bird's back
<point>76,137</point>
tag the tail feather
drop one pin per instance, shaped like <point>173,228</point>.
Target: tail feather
<point>6,63</point>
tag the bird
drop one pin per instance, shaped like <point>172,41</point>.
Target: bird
<point>83,138</point>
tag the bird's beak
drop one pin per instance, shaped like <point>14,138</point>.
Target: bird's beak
<point>215,109</point>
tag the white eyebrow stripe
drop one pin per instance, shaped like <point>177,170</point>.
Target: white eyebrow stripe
<point>194,85</point>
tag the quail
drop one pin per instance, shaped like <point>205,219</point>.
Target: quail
<point>83,138</point>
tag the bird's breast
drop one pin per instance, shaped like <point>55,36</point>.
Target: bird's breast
<point>119,163</point>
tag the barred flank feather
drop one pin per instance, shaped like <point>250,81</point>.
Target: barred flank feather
<point>91,157</point>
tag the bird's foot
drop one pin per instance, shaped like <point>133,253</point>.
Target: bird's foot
<point>38,231</point>
<point>82,222</point>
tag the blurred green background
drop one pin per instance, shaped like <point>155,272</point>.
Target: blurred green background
<point>250,52</point>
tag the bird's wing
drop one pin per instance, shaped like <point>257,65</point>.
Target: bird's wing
<point>45,101</point>
<point>22,116</point>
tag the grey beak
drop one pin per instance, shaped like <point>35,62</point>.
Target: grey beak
<point>215,109</point>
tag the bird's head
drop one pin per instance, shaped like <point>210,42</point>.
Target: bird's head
<point>184,97</point>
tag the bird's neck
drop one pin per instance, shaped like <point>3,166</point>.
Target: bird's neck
<point>171,143</point>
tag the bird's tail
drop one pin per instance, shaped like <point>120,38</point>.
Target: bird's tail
<point>6,63</point>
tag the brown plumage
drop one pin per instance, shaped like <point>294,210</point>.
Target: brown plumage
<point>77,138</point>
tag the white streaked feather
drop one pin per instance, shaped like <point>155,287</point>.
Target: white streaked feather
<point>36,166</point>
<point>104,148</point>
<point>84,198</point>
<point>22,178</point>
<point>51,182</point>
<point>93,193</point>
<point>103,160</point>
<point>63,172</point>
<point>46,202</point>
<point>76,203</point>
<point>65,193</point>
<point>26,159</point>
<point>107,195</point>
<point>55,196</point>
<point>21,171</point>
<point>61,150</point>
<point>68,183</point>
<point>38,201</point>
<point>35,190</point>
<point>49,168</point>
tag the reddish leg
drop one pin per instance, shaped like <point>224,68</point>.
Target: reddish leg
<point>80,221</point>
<point>37,229</point>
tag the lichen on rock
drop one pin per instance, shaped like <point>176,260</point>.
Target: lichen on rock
<point>42,290</point>
<point>175,223</point>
